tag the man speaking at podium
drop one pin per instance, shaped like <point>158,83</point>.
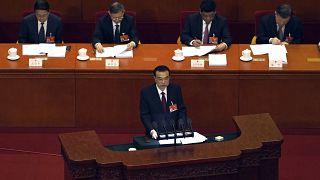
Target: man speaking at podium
<point>161,104</point>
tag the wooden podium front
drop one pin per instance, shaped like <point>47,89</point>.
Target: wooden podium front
<point>253,155</point>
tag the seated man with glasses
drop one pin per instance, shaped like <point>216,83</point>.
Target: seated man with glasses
<point>161,103</point>
<point>206,27</point>
<point>115,27</point>
<point>41,26</point>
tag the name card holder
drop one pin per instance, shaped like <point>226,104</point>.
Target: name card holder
<point>275,63</point>
<point>112,63</point>
<point>197,63</point>
<point>35,62</point>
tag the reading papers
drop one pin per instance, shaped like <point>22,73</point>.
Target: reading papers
<point>118,51</point>
<point>197,51</point>
<point>198,138</point>
<point>41,49</point>
<point>277,52</point>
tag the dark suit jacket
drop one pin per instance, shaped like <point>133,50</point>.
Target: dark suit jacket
<point>104,30</point>
<point>29,29</point>
<point>193,29</point>
<point>151,107</point>
<point>268,29</point>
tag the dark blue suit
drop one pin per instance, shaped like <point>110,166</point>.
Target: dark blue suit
<point>193,29</point>
<point>29,29</point>
<point>151,107</point>
<point>268,29</point>
<point>104,30</point>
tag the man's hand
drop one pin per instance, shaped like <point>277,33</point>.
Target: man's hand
<point>99,47</point>
<point>220,47</point>
<point>196,43</point>
<point>154,134</point>
<point>275,40</point>
<point>130,46</point>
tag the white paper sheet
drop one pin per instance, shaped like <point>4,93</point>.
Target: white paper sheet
<point>217,59</point>
<point>36,49</point>
<point>200,51</point>
<point>198,138</point>
<point>118,51</point>
<point>58,51</point>
<point>260,49</point>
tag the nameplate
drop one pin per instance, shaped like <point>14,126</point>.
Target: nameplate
<point>197,63</point>
<point>112,62</point>
<point>275,63</point>
<point>35,62</point>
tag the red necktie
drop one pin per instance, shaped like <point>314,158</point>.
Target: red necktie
<point>163,101</point>
<point>206,35</point>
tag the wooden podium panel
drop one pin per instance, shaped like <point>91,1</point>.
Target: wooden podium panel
<point>253,155</point>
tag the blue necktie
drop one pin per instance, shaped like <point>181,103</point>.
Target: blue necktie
<point>41,34</point>
<point>280,34</point>
<point>117,35</point>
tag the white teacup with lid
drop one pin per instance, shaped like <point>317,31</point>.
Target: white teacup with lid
<point>178,55</point>
<point>12,54</point>
<point>82,54</point>
<point>246,55</point>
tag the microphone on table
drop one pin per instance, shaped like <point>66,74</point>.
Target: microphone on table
<point>189,122</point>
<point>174,130</point>
<point>181,126</point>
<point>164,127</point>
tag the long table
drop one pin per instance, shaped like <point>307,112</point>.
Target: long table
<point>67,92</point>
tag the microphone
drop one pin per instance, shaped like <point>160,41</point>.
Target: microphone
<point>164,127</point>
<point>174,131</point>
<point>189,121</point>
<point>181,126</point>
<point>155,125</point>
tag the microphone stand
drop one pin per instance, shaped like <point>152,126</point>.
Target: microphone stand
<point>164,127</point>
<point>174,131</point>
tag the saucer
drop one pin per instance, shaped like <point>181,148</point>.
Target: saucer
<point>179,58</point>
<point>13,58</point>
<point>83,58</point>
<point>244,59</point>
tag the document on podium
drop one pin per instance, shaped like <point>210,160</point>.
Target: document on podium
<point>197,138</point>
<point>197,51</point>
<point>118,51</point>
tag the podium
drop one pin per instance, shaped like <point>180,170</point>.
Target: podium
<point>253,155</point>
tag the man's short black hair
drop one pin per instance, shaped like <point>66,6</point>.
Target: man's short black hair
<point>208,6</point>
<point>41,5</point>
<point>161,68</point>
<point>116,7</point>
<point>284,10</point>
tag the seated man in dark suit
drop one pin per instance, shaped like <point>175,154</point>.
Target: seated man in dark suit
<point>280,28</point>
<point>41,26</point>
<point>206,27</point>
<point>161,103</point>
<point>115,27</point>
